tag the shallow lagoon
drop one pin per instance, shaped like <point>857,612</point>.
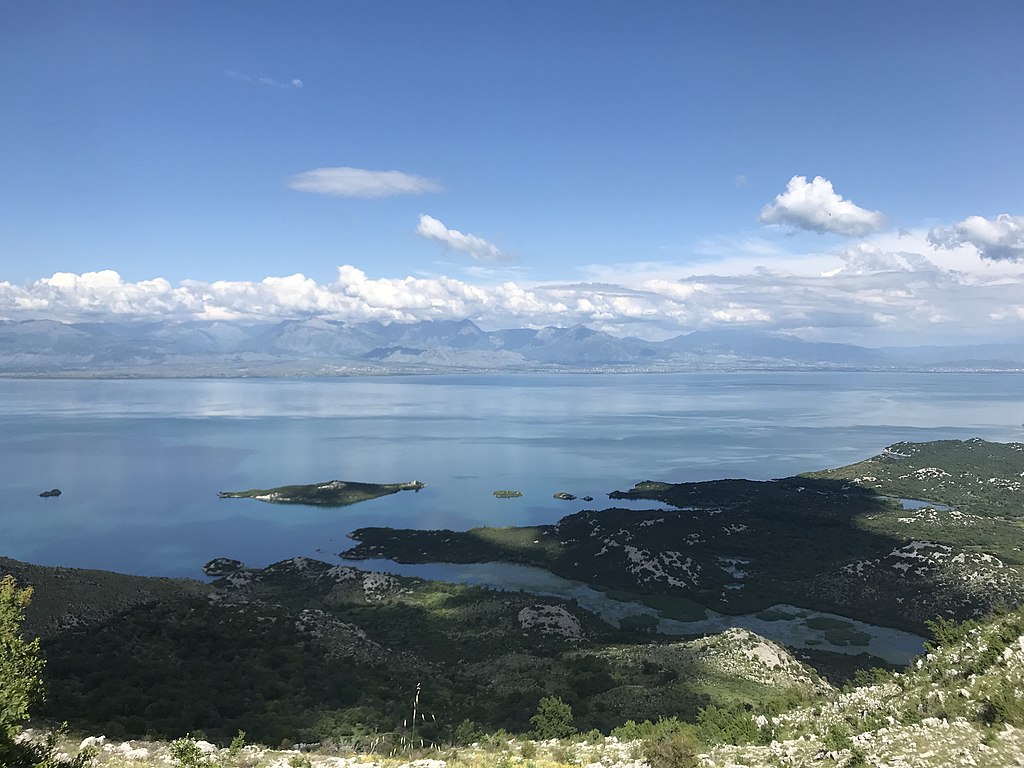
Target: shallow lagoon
<point>790,625</point>
<point>140,462</point>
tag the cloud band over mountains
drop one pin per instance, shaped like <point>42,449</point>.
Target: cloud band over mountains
<point>868,293</point>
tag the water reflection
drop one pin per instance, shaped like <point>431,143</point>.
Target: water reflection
<point>790,625</point>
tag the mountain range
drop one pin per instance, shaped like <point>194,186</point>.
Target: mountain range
<point>319,346</point>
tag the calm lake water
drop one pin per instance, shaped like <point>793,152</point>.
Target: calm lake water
<point>140,462</point>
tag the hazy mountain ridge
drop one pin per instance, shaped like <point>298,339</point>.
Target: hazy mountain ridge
<point>319,346</point>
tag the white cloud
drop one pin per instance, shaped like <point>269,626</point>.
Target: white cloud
<point>817,207</point>
<point>998,239</point>
<point>477,247</point>
<point>358,182</point>
<point>267,81</point>
<point>889,289</point>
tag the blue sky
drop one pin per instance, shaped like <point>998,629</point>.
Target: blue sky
<point>616,164</point>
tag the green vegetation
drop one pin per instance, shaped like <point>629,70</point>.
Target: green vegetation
<point>836,541</point>
<point>307,652</point>
<point>21,687</point>
<point>534,545</point>
<point>553,719</point>
<point>303,651</point>
<point>335,493</point>
<point>20,666</point>
<point>758,702</point>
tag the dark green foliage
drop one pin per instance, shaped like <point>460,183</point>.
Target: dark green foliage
<point>21,687</point>
<point>858,758</point>
<point>863,678</point>
<point>20,666</point>
<point>186,754</point>
<point>678,750</point>
<point>641,622</point>
<point>798,533</point>
<point>237,744</point>
<point>647,730</point>
<point>589,675</point>
<point>727,725</point>
<point>466,732</point>
<point>946,632</point>
<point>174,669</point>
<point>836,737</point>
<point>553,719</point>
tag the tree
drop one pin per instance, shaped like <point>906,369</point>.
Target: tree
<point>20,665</point>
<point>553,719</point>
<point>21,686</point>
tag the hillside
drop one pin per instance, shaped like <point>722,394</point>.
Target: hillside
<point>959,705</point>
<point>304,651</point>
<point>840,540</point>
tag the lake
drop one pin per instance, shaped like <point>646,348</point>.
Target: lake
<point>140,462</point>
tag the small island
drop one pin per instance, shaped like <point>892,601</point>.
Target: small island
<point>334,493</point>
<point>564,496</point>
<point>507,494</point>
<point>52,493</point>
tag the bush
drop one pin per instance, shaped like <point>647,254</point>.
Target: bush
<point>727,725</point>
<point>946,632</point>
<point>648,731</point>
<point>553,719</point>
<point>677,751</point>
<point>187,754</point>
<point>466,733</point>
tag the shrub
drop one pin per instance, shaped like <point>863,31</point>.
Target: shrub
<point>553,719</point>
<point>237,744</point>
<point>466,732</point>
<point>679,750</point>
<point>947,632</point>
<point>727,725</point>
<point>1002,706</point>
<point>836,737</point>
<point>665,727</point>
<point>187,754</point>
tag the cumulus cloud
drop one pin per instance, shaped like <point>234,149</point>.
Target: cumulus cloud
<point>998,239</point>
<point>477,247</point>
<point>817,207</point>
<point>889,289</point>
<point>343,181</point>
<point>270,82</point>
<point>866,259</point>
